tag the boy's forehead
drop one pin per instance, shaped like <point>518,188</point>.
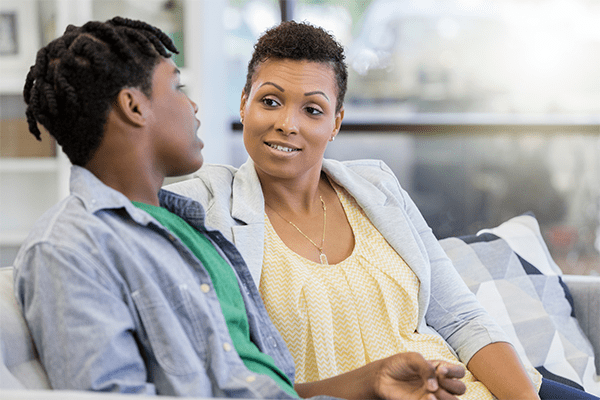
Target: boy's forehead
<point>167,63</point>
<point>165,66</point>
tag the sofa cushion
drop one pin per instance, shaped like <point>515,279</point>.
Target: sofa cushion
<point>510,270</point>
<point>20,367</point>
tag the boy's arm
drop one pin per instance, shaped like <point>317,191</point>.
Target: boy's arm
<point>82,328</point>
<point>403,376</point>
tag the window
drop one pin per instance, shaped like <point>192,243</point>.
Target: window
<point>483,109</point>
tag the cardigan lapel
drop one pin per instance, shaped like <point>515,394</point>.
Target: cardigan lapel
<point>249,239</point>
<point>387,214</point>
<point>247,207</point>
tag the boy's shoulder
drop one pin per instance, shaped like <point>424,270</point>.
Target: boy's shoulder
<point>60,221</point>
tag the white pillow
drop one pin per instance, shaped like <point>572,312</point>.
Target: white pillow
<point>510,270</point>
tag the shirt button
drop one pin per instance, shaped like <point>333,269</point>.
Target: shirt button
<point>205,288</point>
<point>226,347</point>
<point>273,341</point>
<point>250,378</point>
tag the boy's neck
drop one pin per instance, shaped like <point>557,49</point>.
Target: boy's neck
<point>134,179</point>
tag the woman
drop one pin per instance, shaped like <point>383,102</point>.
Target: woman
<point>348,269</point>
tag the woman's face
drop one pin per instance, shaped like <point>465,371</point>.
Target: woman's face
<point>289,117</point>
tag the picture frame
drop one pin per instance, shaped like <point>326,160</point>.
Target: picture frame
<point>19,38</point>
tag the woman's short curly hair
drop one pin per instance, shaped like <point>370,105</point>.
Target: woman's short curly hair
<point>300,41</point>
<point>77,76</point>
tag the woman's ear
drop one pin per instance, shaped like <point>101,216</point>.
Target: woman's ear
<point>130,106</point>
<point>339,117</point>
<point>243,101</point>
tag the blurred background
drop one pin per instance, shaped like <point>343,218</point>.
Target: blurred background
<point>484,109</point>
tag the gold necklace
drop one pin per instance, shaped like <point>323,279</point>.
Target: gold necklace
<point>322,255</point>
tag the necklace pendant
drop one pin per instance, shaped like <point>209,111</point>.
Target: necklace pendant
<point>323,258</point>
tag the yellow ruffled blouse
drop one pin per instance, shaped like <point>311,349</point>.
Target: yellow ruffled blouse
<point>336,318</point>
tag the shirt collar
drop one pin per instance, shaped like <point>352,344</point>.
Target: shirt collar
<point>94,194</point>
<point>97,196</point>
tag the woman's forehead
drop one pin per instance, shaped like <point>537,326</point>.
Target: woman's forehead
<point>295,71</point>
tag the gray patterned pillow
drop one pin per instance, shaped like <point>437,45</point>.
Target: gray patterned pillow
<point>514,277</point>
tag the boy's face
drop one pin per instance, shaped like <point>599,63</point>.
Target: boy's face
<point>176,147</point>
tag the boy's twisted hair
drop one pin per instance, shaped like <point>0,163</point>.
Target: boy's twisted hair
<point>77,76</point>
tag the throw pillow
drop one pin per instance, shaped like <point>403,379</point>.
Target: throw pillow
<point>510,270</point>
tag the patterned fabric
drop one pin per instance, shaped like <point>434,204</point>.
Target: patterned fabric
<point>513,275</point>
<point>339,317</point>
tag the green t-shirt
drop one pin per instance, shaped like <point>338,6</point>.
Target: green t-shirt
<point>228,292</point>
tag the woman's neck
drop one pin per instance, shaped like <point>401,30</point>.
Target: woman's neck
<point>294,197</point>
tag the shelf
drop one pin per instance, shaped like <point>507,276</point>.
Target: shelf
<point>29,164</point>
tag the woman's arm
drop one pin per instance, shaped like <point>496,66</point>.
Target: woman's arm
<point>499,368</point>
<point>404,376</point>
<point>455,313</point>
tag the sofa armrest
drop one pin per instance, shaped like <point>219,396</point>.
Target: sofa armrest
<point>586,299</point>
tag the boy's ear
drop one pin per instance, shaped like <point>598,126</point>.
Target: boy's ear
<point>130,104</point>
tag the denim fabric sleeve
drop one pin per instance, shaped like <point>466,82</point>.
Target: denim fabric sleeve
<point>83,323</point>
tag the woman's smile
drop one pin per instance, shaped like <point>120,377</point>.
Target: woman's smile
<point>284,148</point>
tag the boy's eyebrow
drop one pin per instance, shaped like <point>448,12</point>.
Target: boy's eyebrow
<point>306,94</point>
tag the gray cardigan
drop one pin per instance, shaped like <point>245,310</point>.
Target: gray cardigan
<point>234,205</point>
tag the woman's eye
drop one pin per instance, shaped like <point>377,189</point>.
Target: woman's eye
<point>270,102</point>
<point>313,111</point>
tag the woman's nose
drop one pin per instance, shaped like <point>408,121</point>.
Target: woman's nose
<point>287,122</point>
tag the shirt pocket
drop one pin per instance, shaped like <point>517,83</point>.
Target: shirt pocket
<point>172,329</point>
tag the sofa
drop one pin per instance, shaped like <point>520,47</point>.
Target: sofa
<point>508,267</point>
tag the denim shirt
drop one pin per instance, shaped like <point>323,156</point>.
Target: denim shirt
<point>116,303</point>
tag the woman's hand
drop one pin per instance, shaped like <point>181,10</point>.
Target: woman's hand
<point>408,376</point>
<point>403,376</point>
